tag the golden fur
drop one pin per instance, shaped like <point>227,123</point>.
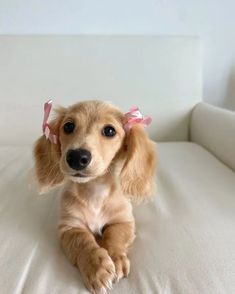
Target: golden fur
<point>96,224</point>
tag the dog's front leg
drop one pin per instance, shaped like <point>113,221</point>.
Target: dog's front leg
<point>94,262</point>
<point>116,239</point>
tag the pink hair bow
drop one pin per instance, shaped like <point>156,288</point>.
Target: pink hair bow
<point>134,116</point>
<point>45,126</point>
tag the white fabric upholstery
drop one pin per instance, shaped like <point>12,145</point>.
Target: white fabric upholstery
<point>161,75</point>
<point>185,236</point>
<point>214,128</point>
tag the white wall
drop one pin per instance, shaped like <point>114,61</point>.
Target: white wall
<point>212,20</point>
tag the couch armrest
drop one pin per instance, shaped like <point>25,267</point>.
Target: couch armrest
<point>214,129</point>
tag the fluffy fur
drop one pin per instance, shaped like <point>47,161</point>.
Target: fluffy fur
<point>96,225</point>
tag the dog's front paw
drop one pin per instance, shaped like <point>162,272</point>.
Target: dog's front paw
<point>99,272</point>
<point>122,265</point>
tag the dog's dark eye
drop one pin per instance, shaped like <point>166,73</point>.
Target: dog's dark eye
<point>108,131</point>
<point>69,127</point>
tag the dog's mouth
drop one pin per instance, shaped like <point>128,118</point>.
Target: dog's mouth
<point>80,175</point>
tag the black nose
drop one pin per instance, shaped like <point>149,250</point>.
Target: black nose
<point>78,159</point>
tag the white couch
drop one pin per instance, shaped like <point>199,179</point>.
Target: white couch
<point>186,236</point>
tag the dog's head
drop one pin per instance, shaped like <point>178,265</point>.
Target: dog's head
<point>92,142</point>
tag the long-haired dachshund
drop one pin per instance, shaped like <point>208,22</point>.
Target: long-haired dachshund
<point>104,159</point>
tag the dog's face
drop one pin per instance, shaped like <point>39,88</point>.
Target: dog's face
<point>90,135</point>
<point>91,138</point>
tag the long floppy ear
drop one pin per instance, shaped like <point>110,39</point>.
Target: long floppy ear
<point>47,158</point>
<point>137,176</point>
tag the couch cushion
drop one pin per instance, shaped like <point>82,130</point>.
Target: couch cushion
<point>185,236</point>
<point>162,75</point>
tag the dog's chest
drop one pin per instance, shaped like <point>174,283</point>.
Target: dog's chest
<point>97,221</point>
<point>97,215</point>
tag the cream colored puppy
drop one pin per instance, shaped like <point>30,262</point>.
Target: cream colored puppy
<point>103,164</point>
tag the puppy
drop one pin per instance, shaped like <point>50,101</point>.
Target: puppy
<point>104,159</point>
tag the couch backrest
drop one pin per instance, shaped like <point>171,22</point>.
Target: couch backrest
<point>161,75</point>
